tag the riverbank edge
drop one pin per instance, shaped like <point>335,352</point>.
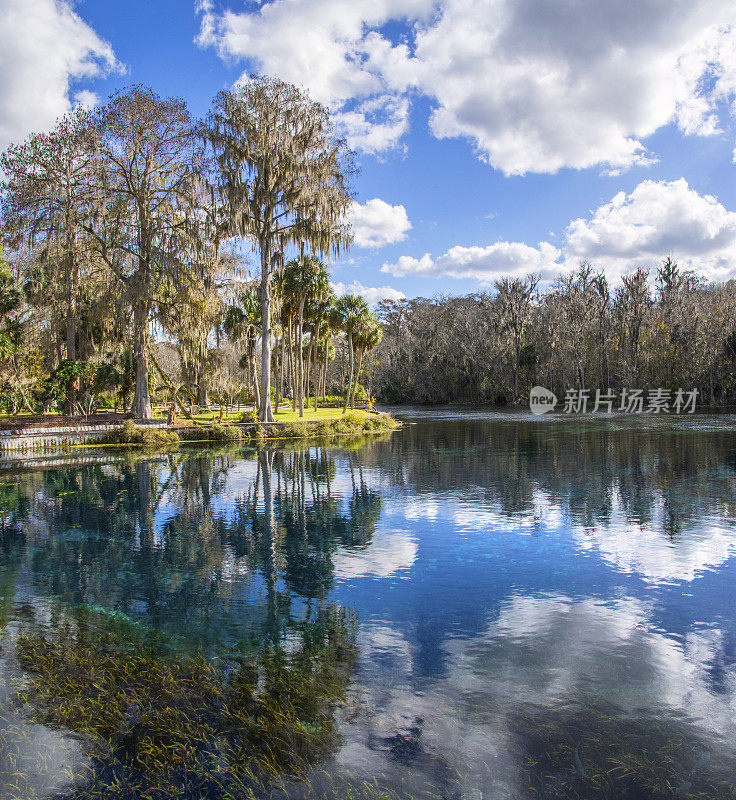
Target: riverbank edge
<point>160,434</point>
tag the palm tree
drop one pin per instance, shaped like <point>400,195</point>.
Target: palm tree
<point>354,312</point>
<point>321,313</point>
<point>366,336</point>
<point>243,321</point>
<point>305,281</point>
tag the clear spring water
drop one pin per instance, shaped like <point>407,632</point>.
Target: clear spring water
<point>545,607</point>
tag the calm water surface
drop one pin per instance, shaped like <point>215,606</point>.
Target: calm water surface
<point>545,607</point>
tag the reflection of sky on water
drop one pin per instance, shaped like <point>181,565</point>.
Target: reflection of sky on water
<point>540,652</point>
<point>496,565</point>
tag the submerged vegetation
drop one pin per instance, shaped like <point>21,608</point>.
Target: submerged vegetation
<point>590,751</point>
<point>157,724</point>
<point>184,643</point>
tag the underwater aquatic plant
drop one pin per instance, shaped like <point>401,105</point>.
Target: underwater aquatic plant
<point>157,724</point>
<point>589,750</point>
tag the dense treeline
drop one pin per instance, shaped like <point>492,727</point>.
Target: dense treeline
<point>132,226</point>
<point>133,223</point>
<point>670,329</point>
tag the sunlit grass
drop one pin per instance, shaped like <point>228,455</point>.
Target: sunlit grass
<point>285,414</point>
<point>326,424</point>
<point>311,416</point>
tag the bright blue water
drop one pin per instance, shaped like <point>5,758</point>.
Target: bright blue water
<point>545,606</point>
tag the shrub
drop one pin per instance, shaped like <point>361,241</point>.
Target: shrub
<point>132,434</point>
<point>224,433</point>
<point>323,428</point>
<point>295,430</point>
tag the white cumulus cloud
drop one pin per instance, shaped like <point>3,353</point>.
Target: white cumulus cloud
<point>376,223</point>
<point>45,50</point>
<point>483,264</point>
<point>538,85</point>
<point>535,85</point>
<point>332,48</point>
<point>371,294</point>
<point>656,219</point>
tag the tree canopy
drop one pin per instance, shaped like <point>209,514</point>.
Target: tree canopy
<point>125,229</point>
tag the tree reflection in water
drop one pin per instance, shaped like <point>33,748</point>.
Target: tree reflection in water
<point>146,574</point>
<point>499,667</point>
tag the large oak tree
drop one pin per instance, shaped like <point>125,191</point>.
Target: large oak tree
<point>46,200</point>
<point>284,177</point>
<point>150,169</point>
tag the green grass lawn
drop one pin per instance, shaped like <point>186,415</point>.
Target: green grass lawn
<point>208,417</point>
<point>310,416</point>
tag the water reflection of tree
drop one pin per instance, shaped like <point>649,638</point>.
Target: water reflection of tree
<point>647,470</point>
<point>163,541</point>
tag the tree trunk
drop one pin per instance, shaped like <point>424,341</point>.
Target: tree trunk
<point>309,368</point>
<point>317,376</point>
<point>254,374</point>
<point>141,400</point>
<point>582,374</point>
<point>327,361</point>
<point>265,412</point>
<point>280,385</point>
<point>71,330</point>
<point>26,403</point>
<point>300,358</point>
<point>71,280</point>
<point>292,368</point>
<point>202,399</point>
<point>350,380</point>
<point>169,383</point>
<point>357,378</point>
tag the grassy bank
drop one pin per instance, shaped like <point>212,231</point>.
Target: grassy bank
<point>324,424</point>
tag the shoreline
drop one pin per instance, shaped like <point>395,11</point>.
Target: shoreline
<point>67,438</point>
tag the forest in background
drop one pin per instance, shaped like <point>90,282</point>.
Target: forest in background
<point>670,329</point>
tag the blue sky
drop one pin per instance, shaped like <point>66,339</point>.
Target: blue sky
<point>494,137</point>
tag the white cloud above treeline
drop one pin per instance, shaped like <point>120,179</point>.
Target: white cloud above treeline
<point>46,50</point>
<point>656,219</point>
<point>482,264</point>
<point>535,85</point>
<point>371,294</point>
<point>376,223</point>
